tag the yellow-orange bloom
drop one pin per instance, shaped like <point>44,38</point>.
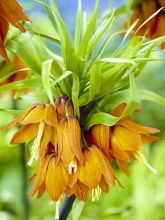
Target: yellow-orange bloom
<point>127,138</point>
<point>69,140</point>
<point>155,27</point>
<point>50,176</point>
<point>100,136</point>
<point>96,170</point>
<point>10,12</point>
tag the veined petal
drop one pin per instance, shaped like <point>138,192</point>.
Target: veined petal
<point>25,134</point>
<point>127,139</point>
<point>101,136</point>
<point>117,151</point>
<point>19,118</point>
<point>124,167</point>
<point>103,185</point>
<point>147,139</point>
<point>104,165</point>
<point>50,115</point>
<point>131,125</point>
<point>46,138</point>
<point>36,115</point>
<point>41,174</point>
<point>41,190</point>
<point>75,137</point>
<point>90,173</point>
<point>56,179</point>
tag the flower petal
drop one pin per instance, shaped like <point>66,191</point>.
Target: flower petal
<point>75,137</point>
<point>50,115</point>
<point>101,136</point>
<point>127,139</point>
<point>41,174</point>
<point>117,151</point>
<point>25,134</point>
<point>19,118</point>
<point>36,115</point>
<point>131,125</point>
<point>13,13</point>
<point>56,179</point>
<point>124,167</point>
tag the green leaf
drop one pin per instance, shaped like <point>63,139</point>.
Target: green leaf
<point>95,80</point>
<point>25,54</point>
<point>78,26</point>
<point>101,31</point>
<point>151,96</point>
<point>22,84</point>
<point>77,209</point>
<point>90,29</point>
<point>11,111</point>
<point>101,118</point>
<point>75,94</point>
<point>46,68</point>
<point>134,99</point>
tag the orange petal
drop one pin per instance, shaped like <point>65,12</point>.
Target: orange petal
<point>25,134</point>
<point>104,186</point>
<point>65,151</point>
<point>149,7</point>
<point>41,190</point>
<point>41,174</point>
<point>90,173</point>
<point>46,138</point>
<point>54,136</point>
<point>3,31</point>
<point>50,115</point>
<point>75,137</point>
<point>104,165</point>
<point>128,123</point>
<point>162,3</point>
<point>147,139</point>
<point>128,140</point>
<point>95,165</point>
<point>101,135</point>
<point>19,118</point>
<point>117,151</point>
<point>36,115</point>
<point>11,11</point>
<point>124,167</point>
<point>81,191</point>
<point>56,179</point>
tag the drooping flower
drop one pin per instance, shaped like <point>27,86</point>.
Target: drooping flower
<point>153,28</point>
<point>69,141</point>
<point>127,138</point>
<point>96,170</point>
<point>10,12</point>
<point>50,175</point>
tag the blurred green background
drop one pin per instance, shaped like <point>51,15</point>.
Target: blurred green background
<point>144,195</point>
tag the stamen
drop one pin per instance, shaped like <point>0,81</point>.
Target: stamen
<point>72,168</point>
<point>36,144</point>
<point>57,215</point>
<point>96,193</point>
<point>139,156</point>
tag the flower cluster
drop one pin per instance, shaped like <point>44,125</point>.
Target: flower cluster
<point>153,28</point>
<point>70,160</point>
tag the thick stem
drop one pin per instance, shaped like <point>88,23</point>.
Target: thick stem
<point>66,207</point>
